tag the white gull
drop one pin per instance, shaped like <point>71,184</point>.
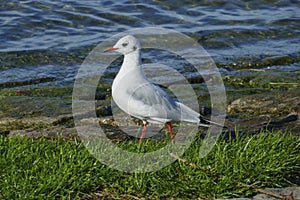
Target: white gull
<point>141,98</point>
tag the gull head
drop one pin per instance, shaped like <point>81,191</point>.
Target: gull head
<point>125,45</point>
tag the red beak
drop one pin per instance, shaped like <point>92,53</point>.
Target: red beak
<point>110,49</point>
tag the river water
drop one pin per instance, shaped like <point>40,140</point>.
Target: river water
<point>231,31</point>
<point>43,43</point>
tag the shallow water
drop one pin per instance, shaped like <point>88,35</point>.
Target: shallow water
<point>43,43</point>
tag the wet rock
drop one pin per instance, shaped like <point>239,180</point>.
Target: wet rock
<point>275,194</point>
<point>123,126</point>
<point>277,111</point>
<point>38,126</point>
<point>9,124</point>
<point>289,123</point>
<point>277,104</point>
<point>49,132</point>
<point>35,102</point>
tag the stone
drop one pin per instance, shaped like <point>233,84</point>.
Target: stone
<point>278,193</point>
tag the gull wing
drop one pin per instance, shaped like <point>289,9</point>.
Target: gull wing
<point>151,103</point>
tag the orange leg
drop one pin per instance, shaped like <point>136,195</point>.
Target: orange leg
<point>143,132</point>
<point>170,130</point>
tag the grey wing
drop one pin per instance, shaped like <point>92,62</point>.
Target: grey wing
<point>151,103</point>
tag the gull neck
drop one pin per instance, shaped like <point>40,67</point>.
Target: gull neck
<point>132,61</point>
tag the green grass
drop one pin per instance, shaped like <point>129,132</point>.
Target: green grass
<point>48,169</point>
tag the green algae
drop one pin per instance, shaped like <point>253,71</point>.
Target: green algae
<point>263,79</point>
<point>33,58</point>
<point>46,101</point>
<point>262,62</point>
<point>22,109</point>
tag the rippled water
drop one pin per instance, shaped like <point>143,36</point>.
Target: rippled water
<point>47,40</point>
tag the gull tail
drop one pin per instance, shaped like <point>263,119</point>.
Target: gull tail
<point>207,123</point>
<point>189,115</point>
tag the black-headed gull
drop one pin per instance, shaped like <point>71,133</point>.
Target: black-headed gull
<point>141,98</point>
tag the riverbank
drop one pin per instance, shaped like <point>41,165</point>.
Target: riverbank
<point>47,118</point>
<point>47,110</point>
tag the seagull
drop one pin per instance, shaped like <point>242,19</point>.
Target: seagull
<point>139,97</point>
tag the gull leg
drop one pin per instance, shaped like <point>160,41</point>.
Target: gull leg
<point>170,130</point>
<point>143,132</point>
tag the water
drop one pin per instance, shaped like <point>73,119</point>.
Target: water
<point>42,43</point>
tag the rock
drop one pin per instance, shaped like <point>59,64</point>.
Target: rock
<point>32,120</point>
<point>279,192</point>
<point>50,132</point>
<point>278,111</point>
<point>39,126</point>
<point>277,104</point>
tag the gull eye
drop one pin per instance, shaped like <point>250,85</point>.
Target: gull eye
<point>124,44</point>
